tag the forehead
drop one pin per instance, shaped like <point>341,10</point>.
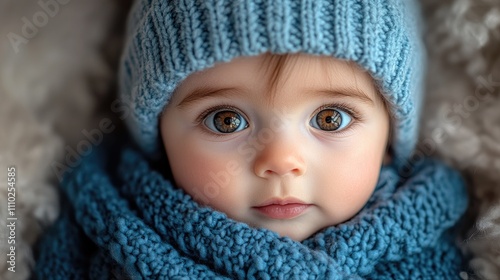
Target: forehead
<point>281,73</point>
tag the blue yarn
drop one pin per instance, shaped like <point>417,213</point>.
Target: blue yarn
<point>122,219</point>
<point>168,40</point>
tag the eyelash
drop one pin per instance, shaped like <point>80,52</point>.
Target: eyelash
<point>207,112</point>
<point>340,105</point>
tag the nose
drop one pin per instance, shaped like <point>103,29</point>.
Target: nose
<point>280,157</point>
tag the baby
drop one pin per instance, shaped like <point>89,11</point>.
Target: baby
<point>275,148</point>
<point>272,139</point>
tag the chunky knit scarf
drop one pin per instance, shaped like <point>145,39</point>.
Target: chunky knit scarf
<point>122,220</point>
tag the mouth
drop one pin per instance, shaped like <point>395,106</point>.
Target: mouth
<point>282,209</point>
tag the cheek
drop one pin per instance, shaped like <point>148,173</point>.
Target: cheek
<point>352,187</point>
<point>205,173</point>
<point>349,178</point>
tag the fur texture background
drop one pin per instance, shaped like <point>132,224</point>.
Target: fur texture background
<point>61,81</point>
<point>51,89</point>
<point>461,118</point>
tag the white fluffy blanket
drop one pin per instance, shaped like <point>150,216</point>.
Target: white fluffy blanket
<point>54,80</point>
<point>461,120</point>
<point>56,67</point>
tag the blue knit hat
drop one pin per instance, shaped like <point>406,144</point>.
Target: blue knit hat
<point>168,40</point>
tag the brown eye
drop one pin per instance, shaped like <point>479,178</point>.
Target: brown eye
<point>225,121</point>
<point>331,120</point>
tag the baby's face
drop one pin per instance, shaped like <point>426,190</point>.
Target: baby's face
<point>294,157</point>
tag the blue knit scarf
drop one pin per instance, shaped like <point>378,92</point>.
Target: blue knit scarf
<point>121,219</point>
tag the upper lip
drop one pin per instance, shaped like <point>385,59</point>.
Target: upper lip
<point>281,201</point>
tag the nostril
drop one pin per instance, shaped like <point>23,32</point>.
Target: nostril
<point>271,172</point>
<point>295,171</point>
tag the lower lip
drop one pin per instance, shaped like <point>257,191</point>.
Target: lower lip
<point>287,211</point>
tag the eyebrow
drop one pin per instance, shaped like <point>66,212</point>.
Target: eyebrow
<point>206,92</point>
<point>345,92</point>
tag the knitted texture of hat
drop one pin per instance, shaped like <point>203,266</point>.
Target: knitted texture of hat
<point>168,40</point>
<point>123,220</point>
